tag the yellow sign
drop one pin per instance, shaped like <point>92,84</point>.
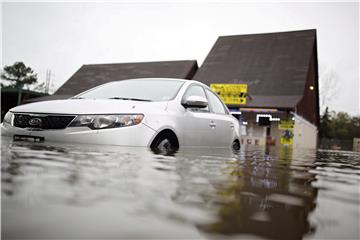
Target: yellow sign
<point>286,124</point>
<point>231,93</point>
<point>287,137</point>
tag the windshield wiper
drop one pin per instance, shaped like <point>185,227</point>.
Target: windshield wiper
<point>131,99</point>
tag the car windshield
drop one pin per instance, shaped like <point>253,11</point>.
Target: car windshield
<point>137,90</point>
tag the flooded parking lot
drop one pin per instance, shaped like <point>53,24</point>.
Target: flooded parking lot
<point>80,191</point>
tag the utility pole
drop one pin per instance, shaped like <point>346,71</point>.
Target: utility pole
<point>47,81</point>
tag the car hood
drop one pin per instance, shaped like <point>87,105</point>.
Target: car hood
<point>89,106</point>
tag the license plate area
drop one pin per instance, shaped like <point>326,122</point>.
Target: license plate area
<point>28,138</point>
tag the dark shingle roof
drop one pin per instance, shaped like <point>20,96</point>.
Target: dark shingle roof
<point>89,76</point>
<point>274,65</point>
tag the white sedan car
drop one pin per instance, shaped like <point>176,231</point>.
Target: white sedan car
<point>155,112</point>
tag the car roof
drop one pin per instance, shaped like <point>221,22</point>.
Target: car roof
<point>159,79</point>
<point>149,79</point>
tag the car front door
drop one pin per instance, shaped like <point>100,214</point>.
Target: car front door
<point>197,125</point>
<point>224,126</point>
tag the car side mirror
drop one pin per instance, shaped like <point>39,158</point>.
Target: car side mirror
<point>195,102</point>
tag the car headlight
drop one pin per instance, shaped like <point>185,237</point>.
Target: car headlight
<point>106,121</point>
<point>8,118</point>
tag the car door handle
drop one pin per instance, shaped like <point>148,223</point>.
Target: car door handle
<point>231,125</point>
<point>212,124</point>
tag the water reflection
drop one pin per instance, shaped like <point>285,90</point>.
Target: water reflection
<point>80,191</point>
<point>267,195</point>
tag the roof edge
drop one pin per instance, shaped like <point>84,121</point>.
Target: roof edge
<point>121,63</point>
<point>269,33</point>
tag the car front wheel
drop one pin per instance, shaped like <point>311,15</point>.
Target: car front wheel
<point>165,144</point>
<point>166,141</point>
<point>235,145</point>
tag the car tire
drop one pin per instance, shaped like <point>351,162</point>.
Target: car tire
<point>235,145</point>
<point>165,142</point>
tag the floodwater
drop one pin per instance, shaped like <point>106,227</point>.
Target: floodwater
<point>57,191</point>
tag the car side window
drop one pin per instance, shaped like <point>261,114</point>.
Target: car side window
<point>215,103</point>
<point>196,90</point>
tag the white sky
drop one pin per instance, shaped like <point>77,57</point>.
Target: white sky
<point>64,36</point>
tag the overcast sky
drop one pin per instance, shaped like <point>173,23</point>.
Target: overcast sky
<point>64,36</point>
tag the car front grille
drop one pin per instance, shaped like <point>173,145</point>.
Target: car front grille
<point>42,121</point>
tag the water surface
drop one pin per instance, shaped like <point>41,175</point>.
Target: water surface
<point>59,191</point>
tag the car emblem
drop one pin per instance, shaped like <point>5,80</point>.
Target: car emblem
<point>35,122</point>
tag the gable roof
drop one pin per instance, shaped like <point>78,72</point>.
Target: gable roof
<point>89,76</point>
<point>273,65</point>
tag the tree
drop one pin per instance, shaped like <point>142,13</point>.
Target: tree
<point>355,126</point>
<point>325,122</point>
<point>339,125</point>
<point>18,75</point>
<point>328,82</point>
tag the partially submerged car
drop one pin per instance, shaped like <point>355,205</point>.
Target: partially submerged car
<point>159,113</point>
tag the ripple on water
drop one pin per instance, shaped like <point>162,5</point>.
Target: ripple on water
<point>78,191</point>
